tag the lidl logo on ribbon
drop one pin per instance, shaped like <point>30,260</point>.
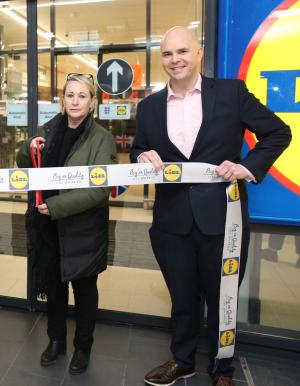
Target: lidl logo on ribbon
<point>98,175</point>
<point>172,173</point>
<point>233,192</point>
<point>18,179</point>
<point>227,338</point>
<point>271,69</point>
<point>231,266</point>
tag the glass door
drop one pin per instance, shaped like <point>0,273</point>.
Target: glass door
<point>123,130</point>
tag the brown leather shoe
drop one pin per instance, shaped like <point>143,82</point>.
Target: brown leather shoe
<point>222,380</point>
<point>167,374</point>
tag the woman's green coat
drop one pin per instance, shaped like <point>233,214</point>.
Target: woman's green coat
<point>81,214</point>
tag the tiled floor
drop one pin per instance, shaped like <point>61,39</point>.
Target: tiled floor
<point>121,355</point>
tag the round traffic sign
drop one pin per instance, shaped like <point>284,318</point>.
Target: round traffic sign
<point>114,76</point>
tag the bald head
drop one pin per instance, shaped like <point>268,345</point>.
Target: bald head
<point>182,33</point>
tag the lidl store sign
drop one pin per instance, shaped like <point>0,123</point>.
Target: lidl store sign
<point>258,41</point>
<point>271,70</point>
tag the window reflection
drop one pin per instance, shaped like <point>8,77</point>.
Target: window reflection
<point>279,281</point>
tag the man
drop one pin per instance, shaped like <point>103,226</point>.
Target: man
<point>197,119</point>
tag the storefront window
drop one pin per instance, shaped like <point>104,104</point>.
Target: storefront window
<point>158,76</point>
<point>166,14</point>
<point>269,293</point>
<point>13,129</point>
<point>92,24</point>
<point>84,35</point>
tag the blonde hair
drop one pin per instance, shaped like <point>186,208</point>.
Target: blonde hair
<point>81,78</point>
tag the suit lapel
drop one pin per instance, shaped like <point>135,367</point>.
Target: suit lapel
<point>208,95</point>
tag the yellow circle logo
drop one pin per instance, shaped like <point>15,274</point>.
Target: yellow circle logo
<point>98,176</point>
<point>233,192</point>
<point>19,180</point>
<point>227,338</point>
<point>271,69</point>
<point>121,110</point>
<point>172,173</point>
<point>230,266</point>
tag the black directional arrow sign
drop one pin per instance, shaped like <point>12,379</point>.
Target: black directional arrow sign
<point>115,76</point>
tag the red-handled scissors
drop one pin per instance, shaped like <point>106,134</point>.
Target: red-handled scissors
<point>36,162</point>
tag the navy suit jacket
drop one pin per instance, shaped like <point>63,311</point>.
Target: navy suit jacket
<point>228,109</point>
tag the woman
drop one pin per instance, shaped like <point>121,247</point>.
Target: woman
<point>72,224</point>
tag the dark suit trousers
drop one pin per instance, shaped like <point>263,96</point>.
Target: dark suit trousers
<point>86,303</point>
<point>191,264</point>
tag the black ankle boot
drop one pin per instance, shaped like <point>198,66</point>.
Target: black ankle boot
<point>79,362</point>
<point>53,350</point>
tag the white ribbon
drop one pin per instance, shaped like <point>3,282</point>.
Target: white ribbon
<point>230,273</point>
<point>94,176</point>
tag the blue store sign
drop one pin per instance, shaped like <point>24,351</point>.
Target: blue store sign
<point>259,43</point>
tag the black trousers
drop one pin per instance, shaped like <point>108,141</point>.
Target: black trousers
<point>191,265</point>
<point>86,303</point>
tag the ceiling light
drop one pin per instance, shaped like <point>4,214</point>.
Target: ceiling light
<point>19,19</point>
<point>44,34</point>
<point>75,2</point>
<point>86,61</point>
<point>5,4</point>
<point>154,39</point>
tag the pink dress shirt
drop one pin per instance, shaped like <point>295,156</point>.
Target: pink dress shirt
<point>184,117</point>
